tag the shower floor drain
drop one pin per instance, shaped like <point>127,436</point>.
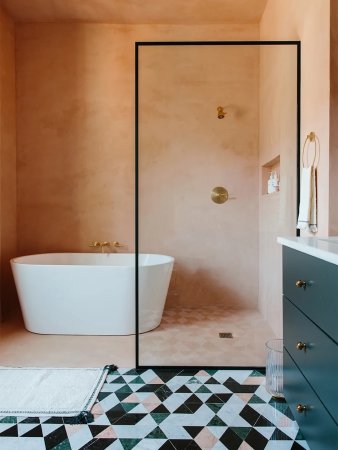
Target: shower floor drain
<point>225,335</point>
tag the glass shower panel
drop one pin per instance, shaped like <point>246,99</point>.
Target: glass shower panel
<point>199,202</point>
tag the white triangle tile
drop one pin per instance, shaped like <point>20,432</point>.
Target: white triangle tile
<point>218,389</point>
<point>174,401</point>
<point>79,439</point>
<point>29,443</point>
<point>133,431</point>
<point>6,426</point>
<point>266,431</point>
<point>175,383</point>
<point>102,420</point>
<point>150,444</point>
<point>148,375</point>
<point>108,402</point>
<point>203,397</point>
<point>238,375</point>
<point>304,444</point>
<point>116,445</point>
<point>290,431</point>
<point>139,409</point>
<point>263,393</point>
<point>25,427</point>
<point>217,431</point>
<point>279,445</point>
<point>218,446</point>
<point>112,387</point>
<point>174,432</point>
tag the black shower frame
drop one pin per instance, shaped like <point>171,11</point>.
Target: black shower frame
<point>194,43</point>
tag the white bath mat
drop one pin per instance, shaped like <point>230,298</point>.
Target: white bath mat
<point>34,391</point>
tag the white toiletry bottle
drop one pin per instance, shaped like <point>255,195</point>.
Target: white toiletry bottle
<point>270,184</point>
<point>275,182</point>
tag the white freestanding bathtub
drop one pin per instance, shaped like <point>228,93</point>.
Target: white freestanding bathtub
<point>91,293</point>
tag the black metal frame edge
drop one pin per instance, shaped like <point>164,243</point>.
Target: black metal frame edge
<point>172,43</point>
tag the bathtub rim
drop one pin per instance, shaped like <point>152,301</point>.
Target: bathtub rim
<point>14,261</point>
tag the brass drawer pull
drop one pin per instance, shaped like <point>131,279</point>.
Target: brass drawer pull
<point>301,346</point>
<point>301,284</point>
<point>301,408</point>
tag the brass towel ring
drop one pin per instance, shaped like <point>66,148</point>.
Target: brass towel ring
<point>311,137</point>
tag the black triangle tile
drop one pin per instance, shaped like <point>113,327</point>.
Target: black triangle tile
<point>297,446</point>
<point>235,387</point>
<point>94,444</point>
<point>54,420</point>
<point>188,372</point>
<point>193,399</point>
<point>212,381</point>
<point>97,429</point>
<point>183,409</point>
<point>193,446</point>
<point>10,432</point>
<point>193,431</point>
<point>55,438</point>
<point>31,420</point>
<point>149,387</point>
<point>194,406</point>
<point>167,446</point>
<point>103,395</point>
<point>160,409</point>
<point>278,435</point>
<point>256,440</point>
<point>183,390</point>
<point>215,399</point>
<point>167,375</point>
<point>129,419</point>
<point>249,414</point>
<point>231,440</point>
<point>223,397</point>
<point>263,422</point>
<point>118,380</point>
<point>34,432</point>
<point>115,413</point>
<point>181,444</point>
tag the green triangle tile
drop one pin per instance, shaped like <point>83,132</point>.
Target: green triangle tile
<point>242,432</point>
<point>8,419</point>
<point>257,373</point>
<point>137,380</point>
<point>65,445</point>
<point>129,406</point>
<point>118,380</point>
<point>124,389</point>
<point>128,444</point>
<point>216,422</point>
<point>159,417</point>
<point>299,436</point>
<point>256,399</point>
<point>157,433</point>
<point>194,380</point>
<point>203,390</point>
<point>211,371</point>
<point>215,407</point>
<point>131,372</point>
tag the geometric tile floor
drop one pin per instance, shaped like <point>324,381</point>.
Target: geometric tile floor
<point>168,410</point>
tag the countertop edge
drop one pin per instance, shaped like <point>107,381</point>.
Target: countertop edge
<point>311,250</point>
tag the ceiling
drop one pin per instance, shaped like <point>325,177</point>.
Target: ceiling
<point>137,11</point>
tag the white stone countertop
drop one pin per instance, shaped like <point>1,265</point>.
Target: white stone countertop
<point>325,248</point>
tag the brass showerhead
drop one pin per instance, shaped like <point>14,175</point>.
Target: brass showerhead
<point>220,112</point>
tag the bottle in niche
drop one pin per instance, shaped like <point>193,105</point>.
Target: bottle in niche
<point>270,184</point>
<point>275,182</point>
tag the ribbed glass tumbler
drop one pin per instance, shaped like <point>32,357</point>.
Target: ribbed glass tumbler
<point>274,367</point>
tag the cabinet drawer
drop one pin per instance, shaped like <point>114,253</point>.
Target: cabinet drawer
<point>318,361</point>
<point>315,422</point>
<point>319,298</point>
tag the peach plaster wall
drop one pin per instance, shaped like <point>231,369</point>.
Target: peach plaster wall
<point>185,151</point>
<point>7,161</point>
<point>75,109</point>
<point>307,21</point>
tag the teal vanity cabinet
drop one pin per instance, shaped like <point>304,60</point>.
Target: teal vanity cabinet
<point>310,333</point>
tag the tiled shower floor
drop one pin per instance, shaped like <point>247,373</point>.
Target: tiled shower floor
<point>168,410</point>
<point>190,336</point>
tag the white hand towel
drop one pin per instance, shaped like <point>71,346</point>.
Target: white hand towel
<point>307,218</point>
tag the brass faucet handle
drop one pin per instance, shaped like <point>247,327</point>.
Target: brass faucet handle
<point>105,244</point>
<point>117,244</point>
<point>95,244</point>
